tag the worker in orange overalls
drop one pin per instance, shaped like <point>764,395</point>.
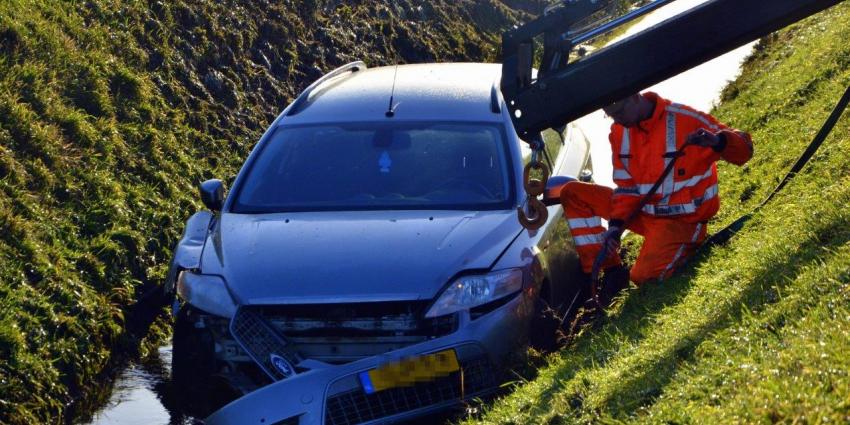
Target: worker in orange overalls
<point>646,133</point>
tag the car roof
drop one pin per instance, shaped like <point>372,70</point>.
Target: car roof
<point>439,92</point>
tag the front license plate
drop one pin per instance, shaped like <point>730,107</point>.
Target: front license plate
<point>410,371</point>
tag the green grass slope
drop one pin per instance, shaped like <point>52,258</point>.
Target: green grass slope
<point>112,112</point>
<point>757,331</point>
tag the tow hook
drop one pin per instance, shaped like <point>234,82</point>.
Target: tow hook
<point>535,214</point>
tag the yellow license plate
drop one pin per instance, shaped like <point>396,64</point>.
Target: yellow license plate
<point>410,371</point>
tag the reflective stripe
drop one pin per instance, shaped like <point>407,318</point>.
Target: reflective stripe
<point>666,210</point>
<point>626,148</point>
<point>620,174</point>
<point>638,189</point>
<point>669,181</point>
<point>679,252</point>
<point>633,190</point>
<point>693,181</point>
<point>584,223</point>
<point>679,209</point>
<point>588,240</point>
<point>645,188</point>
<point>678,109</point>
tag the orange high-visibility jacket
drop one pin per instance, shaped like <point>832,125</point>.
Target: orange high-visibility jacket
<point>641,154</point>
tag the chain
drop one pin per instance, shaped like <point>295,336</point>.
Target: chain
<point>533,213</point>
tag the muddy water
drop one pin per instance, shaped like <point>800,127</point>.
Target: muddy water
<point>139,395</point>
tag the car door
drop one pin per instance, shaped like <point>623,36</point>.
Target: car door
<point>562,265</point>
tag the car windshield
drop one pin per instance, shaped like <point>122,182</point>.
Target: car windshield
<point>364,166</point>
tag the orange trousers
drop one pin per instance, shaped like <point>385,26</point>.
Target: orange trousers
<point>668,241</point>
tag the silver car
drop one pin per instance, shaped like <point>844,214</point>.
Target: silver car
<point>368,265</point>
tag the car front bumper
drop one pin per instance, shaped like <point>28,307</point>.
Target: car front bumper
<point>332,394</point>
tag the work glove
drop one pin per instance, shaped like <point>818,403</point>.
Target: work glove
<point>707,139</point>
<point>611,240</point>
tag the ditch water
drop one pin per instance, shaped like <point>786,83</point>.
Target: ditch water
<point>139,393</point>
<point>139,396</point>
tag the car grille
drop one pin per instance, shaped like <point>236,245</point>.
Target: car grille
<point>341,333</point>
<point>356,406</point>
<point>261,341</point>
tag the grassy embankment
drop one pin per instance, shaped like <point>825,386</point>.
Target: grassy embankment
<point>112,112</point>
<point>756,331</point>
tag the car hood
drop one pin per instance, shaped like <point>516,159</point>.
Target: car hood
<point>335,257</point>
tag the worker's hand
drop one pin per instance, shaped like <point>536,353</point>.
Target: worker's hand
<point>704,138</point>
<point>611,240</point>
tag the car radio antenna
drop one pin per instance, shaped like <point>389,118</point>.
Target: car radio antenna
<point>391,110</point>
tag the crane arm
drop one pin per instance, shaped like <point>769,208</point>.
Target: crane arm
<point>564,91</point>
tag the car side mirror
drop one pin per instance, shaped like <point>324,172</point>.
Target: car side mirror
<point>552,195</point>
<point>212,194</point>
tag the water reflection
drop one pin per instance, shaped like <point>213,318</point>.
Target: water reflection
<point>141,396</point>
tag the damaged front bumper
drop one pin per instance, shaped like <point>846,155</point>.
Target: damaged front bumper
<point>333,394</point>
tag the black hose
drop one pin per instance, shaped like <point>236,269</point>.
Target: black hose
<point>723,236</point>
<point>603,253</point>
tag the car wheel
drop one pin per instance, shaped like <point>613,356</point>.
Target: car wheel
<point>192,362</point>
<point>545,327</point>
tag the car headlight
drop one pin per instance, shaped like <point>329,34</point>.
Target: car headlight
<point>472,291</point>
<point>206,292</point>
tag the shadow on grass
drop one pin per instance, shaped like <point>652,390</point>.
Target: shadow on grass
<point>641,383</point>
